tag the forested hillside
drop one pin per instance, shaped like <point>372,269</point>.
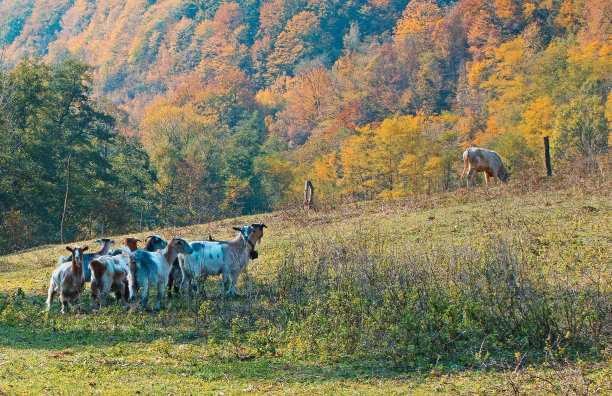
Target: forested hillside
<point>177,112</point>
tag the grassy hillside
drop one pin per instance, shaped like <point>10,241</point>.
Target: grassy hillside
<point>479,290</point>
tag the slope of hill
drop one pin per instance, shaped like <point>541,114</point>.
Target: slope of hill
<point>417,295</point>
<point>228,107</point>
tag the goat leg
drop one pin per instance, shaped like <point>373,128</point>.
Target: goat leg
<point>50,295</point>
<point>144,296</point>
<point>161,288</point>
<point>234,279</point>
<point>65,306</point>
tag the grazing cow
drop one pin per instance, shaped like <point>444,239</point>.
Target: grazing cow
<point>152,268</point>
<point>226,258</point>
<point>104,250</point>
<point>477,159</point>
<point>109,273</point>
<point>68,280</point>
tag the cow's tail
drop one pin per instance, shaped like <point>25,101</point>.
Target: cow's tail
<point>465,164</point>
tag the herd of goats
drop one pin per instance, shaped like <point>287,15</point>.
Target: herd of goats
<point>160,263</point>
<point>128,269</point>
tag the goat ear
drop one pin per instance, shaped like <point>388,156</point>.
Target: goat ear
<point>147,238</point>
<point>69,248</point>
<point>99,240</point>
<point>111,241</point>
<point>237,229</point>
<point>85,248</point>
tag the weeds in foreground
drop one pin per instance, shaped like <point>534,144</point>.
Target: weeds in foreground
<point>528,295</point>
<point>354,299</point>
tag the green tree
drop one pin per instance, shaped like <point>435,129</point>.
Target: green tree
<point>244,193</point>
<point>581,129</point>
<point>49,117</point>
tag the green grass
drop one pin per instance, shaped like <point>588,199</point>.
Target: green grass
<point>484,291</point>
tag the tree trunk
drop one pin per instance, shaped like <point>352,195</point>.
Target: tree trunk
<point>65,201</point>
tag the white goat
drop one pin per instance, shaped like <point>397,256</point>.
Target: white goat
<point>227,258</point>
<point>68,280</point>
<point>152,268</point>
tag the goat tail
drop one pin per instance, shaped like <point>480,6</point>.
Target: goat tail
<point>97,270</point>
<point>132,283</point>
<point>95,285</point>
<point>62,260</point>
<point>133,267</point>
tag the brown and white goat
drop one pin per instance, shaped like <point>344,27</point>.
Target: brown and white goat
<point>109,273</point>
<point>68,280</point>
<point>152,269</point>
<point>105,249</point>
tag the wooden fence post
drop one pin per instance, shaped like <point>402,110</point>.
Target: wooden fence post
<point>308,195</point>
<point>547,156</point>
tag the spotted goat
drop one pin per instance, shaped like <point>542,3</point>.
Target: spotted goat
<point>176,275</point>
<point>148,269</point>
<point>225,258</point>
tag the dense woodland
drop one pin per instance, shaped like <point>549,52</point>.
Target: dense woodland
<point>178,112</point>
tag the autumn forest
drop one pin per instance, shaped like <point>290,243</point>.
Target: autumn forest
<point>184,111</point>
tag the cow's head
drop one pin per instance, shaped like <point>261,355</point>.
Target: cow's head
<point>505,176</point>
